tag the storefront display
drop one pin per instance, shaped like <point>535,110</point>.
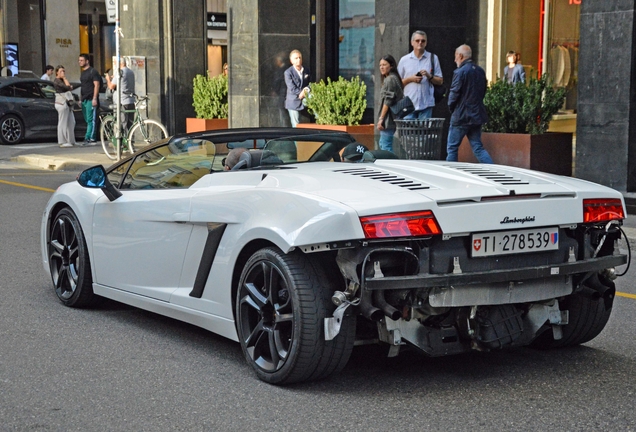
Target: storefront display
<point>546,35</point>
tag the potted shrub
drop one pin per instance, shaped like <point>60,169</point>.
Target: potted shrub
<point>339,105</point>
<point>209,97</point>
<point>518,120</point>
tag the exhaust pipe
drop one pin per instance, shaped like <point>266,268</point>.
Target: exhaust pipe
<point>387,309</point>
<point>367,309</point>
<point>596,288</point>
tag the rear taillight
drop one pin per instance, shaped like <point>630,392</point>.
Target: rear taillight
<point>411,224</point>
<point>602,210</point>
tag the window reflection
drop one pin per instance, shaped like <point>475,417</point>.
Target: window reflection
<point>178,164</point>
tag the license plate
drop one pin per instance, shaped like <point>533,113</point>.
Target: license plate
<point>517,241</point>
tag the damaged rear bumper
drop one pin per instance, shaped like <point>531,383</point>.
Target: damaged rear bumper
<point>427,280</point>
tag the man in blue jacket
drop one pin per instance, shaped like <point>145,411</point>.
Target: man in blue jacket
<point>297,81</point>
<point>466,103</point>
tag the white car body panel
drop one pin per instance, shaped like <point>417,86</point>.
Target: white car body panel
<point>221,326</point>
<point>134,233</point>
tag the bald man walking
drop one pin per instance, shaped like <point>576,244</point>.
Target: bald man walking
<point>466,103</point>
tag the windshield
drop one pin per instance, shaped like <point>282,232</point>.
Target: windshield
<point>177,164</point>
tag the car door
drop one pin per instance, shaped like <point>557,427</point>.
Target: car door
<point>35,102</point>
<point>140,240</point>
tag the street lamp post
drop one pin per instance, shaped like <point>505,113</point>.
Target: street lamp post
<point>118,104</point>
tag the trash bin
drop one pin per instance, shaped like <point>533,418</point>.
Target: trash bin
<point>420,139</point>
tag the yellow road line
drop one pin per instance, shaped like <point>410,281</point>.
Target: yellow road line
<point>27,186</point>
<point>622,294</point>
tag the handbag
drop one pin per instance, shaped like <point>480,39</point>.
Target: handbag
<point>70,99</point>
<point>439,91</point>
<point>402,108</point>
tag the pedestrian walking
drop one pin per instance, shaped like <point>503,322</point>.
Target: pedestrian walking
<point>466,103</point>
<point>391,92</point>
<point>297,81</point>
<point>419,70</point>
<point>90,83</point>
<point>64,106</point>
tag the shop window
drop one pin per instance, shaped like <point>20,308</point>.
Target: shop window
<point>545,34</point>
<point>562,48</point>
<point>357,41</point>
<point>521,33</point>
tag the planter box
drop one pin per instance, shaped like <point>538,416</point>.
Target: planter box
<point>200,125</point>
<point>362,133</point>
<point>549,152</point>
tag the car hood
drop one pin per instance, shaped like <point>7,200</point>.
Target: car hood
<point>463,197</point>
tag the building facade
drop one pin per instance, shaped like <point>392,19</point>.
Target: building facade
<point>586,46</point>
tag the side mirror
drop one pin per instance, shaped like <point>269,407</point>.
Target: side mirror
<point>95,177</point>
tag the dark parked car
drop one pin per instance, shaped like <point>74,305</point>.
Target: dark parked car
<point>27,110</point>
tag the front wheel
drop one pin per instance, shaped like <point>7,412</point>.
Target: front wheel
<point>146,132</point>
<point>281,304</point>
<point>69,262</point>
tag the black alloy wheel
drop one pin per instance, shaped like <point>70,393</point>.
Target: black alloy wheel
<point>69,262</point>
<point>11,129</point>
<point>281,304</point>
<point>266,313</point>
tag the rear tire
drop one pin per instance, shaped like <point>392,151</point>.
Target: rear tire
<point>11,129</point>
<point>588,316</point>
<point>280,311</point>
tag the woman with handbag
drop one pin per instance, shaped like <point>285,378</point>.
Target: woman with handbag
<point>391,93</point>
<point>64,102</point>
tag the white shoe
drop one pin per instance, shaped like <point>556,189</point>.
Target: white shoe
<point>66,145</point>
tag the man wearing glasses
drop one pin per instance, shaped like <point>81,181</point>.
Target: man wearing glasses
<point>420,69</point>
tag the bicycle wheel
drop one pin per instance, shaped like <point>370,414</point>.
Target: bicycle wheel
<point>107,135</point>
<point>146,132</point>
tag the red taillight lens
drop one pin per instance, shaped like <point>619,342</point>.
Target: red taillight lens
<point>410,224</point>
<point>602,210</point>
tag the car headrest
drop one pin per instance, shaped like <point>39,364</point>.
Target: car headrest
<point>372,155</point>
<point>256,158</point>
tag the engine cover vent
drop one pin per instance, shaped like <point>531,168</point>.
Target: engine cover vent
<point>490,174</point>
<point>375,174</point>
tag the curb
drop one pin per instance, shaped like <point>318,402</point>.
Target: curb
<point>61,164</point>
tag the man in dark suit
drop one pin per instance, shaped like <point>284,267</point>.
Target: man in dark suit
<point>297,81</point>
<point>466,103</point>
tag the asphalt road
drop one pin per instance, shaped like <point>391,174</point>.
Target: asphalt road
<point>117,368</point>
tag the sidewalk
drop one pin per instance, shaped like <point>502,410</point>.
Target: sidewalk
<point>66,159</point>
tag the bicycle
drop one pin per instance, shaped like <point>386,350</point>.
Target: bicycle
<point>142,132</point>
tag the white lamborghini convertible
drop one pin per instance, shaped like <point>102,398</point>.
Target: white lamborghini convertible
<point>299,255</point>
